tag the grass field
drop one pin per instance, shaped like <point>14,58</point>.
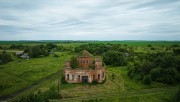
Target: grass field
<point>21,73</point>
<point>119,89</point>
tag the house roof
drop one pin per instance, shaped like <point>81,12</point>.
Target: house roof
<point>24,55</point>
<point>84,53</point>
<point>19,53</point>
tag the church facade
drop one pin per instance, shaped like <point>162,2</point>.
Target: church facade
<point>89,68</point>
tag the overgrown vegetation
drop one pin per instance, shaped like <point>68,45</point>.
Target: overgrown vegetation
<point>5,57</point>
<point>155,65</point>
<point>131,67</point>
<point>176,97</point>
<point>74,63</point>
<point>39,96</point>
<point>36,51</point>
<point>160,67</point>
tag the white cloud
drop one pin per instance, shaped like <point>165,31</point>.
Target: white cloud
<point>89,19</point>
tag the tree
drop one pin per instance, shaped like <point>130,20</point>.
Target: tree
<point>51,46</point>
<point>147,66</point>
<point>176,51</point>
<point>176,63</point>
<point>74,63</point>
<point>167,61</point>
<point>114,58</point>
<point>149,45</point>
<point>34,52</point>
<point>5,57</point>
<point>156,73</point>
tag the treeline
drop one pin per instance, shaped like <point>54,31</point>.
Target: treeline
<point>48,46</point>
<point>35,51</point>
<point>159,67</point>
<point>23,47</point>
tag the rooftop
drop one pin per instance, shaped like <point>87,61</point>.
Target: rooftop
<point>84,53</point>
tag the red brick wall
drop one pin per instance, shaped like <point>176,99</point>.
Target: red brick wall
<point>84,61</point>
<point>92,75</point>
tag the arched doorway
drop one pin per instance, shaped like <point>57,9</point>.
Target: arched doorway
<point>84,79</point>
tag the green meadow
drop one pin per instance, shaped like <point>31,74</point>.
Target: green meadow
<point>118,86</point>
<point>21,73</point>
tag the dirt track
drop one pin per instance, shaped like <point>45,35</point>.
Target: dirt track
<point>34,85</point>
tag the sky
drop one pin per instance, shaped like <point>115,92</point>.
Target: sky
<point>89,19</point>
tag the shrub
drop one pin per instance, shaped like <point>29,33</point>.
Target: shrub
<point>94,82</point>
<point>113,76</point>
<point>74,63</point>
<point>176,97</point>
<point>147,79</point>
<point>114,58</point>
<point>5,57</point>
<point>149,45</point>
<point>63,81</point>
<point>55,55</point>
<point>41,96</point>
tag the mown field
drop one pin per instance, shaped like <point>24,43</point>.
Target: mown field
<point>21,73</point>
<point>119,89</point>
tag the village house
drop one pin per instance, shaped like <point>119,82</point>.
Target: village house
<point>90,68</point>
<point>22,55</point>
<point>25,56</point>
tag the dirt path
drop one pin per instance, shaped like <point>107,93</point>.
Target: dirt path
<point>34,85</point>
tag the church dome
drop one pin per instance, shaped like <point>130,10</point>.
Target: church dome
<point>84,53</point>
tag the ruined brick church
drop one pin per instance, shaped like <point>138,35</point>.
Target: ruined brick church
<point>90,68</point>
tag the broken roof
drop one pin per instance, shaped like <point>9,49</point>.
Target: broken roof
<point>84,53</point>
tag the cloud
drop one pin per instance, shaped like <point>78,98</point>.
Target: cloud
<point>89,20</point>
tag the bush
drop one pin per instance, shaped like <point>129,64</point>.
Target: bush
<point>55,55</point>
<point>94,82</point>
<point>114,58</point>
<point>63,81</point>
<point>147,79</point>
<point>112,76</point>
<point>176,51</point>
<point>176,97</point>
<point>74,63</point>
<point>5,57</point>
<point>41,97</point>
<point>149,45</point>
<point>156,73</point>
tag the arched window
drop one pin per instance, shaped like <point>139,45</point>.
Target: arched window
<point>67,76</point>
<point>78,77</point>
<point>98,76</point>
